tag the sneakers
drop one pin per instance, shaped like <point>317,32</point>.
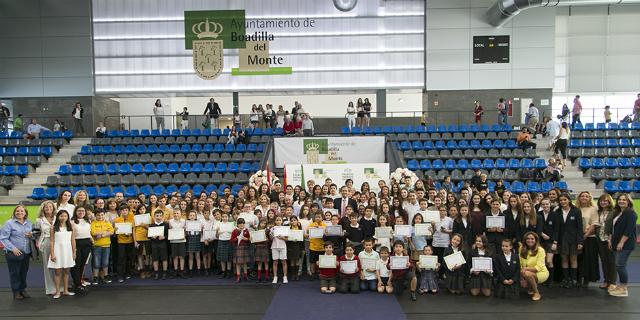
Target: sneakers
<point>619,292</point>
<point>413,296</point>
<point>275,280</point>
<point>284,280</point>
<point>120,280</point>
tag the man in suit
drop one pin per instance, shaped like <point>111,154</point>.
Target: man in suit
<point>213,111</point>
<point>344,201</point>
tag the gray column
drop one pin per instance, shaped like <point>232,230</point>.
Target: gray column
<point>381,102</point>
<point>236,98</point>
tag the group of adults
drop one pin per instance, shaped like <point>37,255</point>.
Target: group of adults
<point>359,115</point>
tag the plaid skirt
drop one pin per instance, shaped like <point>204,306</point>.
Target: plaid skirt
<point>481,281</point>
<point>224,252</point>
<point>193,243</point>
<point>241,254</point>
<point>504,291</point>
<point>294,249</point>
<point>261,253</point>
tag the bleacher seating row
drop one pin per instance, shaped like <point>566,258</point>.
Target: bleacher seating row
<point>22,160</point>
<point>452,128</point>
<point>614,174</point>
<point>143,178</point>
<point>574,153</point>
<point>174,148</point>
<point>26,151</point>
<point>459,175</point>
<point>604,143</point>
<point>453,136</point>
<point>475,164</point>
<point>614,186</point>
<point>452,144</point>
<point>601,163</point>
<point>68,135</point>
<point>220,167</point>
<point>22,170</point>
<point>515,186</point>
<point>190,132</point>
<point>595,134</point>
<point>104,192</point>
<point>165,158</point>
<point>171,140</point>
<point>470,154</point>
<point>57,143</point>
<point>606,126</point>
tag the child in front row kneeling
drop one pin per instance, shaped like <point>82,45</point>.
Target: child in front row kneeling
<point>349,279</point>
<point>400,278</point>
<point>328,275</point>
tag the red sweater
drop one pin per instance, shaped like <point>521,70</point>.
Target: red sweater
<point>328,273</point>
<point>399,273</point>
<point>352,275</point>
<point>289,127</point>
<point>236,234</point>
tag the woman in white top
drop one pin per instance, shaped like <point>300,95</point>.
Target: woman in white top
<point>84,243</point>
<point>562,140</point>
<point>65,202</point>
<point>44,222</point>
<point>63,251</point>
<point>351,115</point>
<point>254,116</point>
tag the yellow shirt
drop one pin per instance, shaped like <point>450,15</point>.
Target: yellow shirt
<point>318,243</point>
<point>100,227</point>
<point>125,238</point>
<point>536,262</point>
<point>140,232</point>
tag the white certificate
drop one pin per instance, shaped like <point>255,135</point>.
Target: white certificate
<point>226,227</point>
<point>155,232</point>
<point>325,261</point>
<point>296,235</point>
<point>334,212</point>
<point>398,263</point>
<point>428,262</point>
<point>431,216</point>
<point>455,259</point>
<point>140,219</point>
<point>334,230</point>
<point>423,229</point>
<point>482,264</point>
<point>403,230</point>
<point>123,228</point>
<point>176,234</point>
<point>495,222</point>
<point>383,232</point>
<point>193,225</point>
<point>281,231</point>
<point>348,267</point>
<point>258,236</point>
<point>368,263</point>
<point>316,233</point>
<point>385,242</point>
<point>208,235</point>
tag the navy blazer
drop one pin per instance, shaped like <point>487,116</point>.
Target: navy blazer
<point>506,270</point>
<point>551,226</point>
<point>495,238</point>
<point>625,226</point>
<point>537,228</point>
<point>571,230</point>
<point>512,226</point>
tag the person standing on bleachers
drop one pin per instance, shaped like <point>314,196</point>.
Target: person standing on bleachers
<point>502,112</point>
<point>478,111</point>
<point>577,110</point>
<point>18,123</point>
<point>158,113</point>
<point>636,109</point>
<point>534,116</point>
<point>213,111</point>
<point>4,117</point>
<point>184,124</point>
<point>351,115</point>
<point>78,115</point>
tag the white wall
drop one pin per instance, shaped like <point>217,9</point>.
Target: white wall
<point>451,25</point>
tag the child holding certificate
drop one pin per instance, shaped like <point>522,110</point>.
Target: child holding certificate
<point>278,253</point>
<point>441,236</point>
<point>101,230</point>
<point>507,272</point>
<point>481,280</point>
<point>143,246</point>
<point>261,253</point>
<point>126,249</point>
<point>368,223</point>
<point>336,240</point>
<point>178,246</point>
<point>456,273</point>
<point>401,277</point>
<point>193,228</point>
<point>327,274</point>
<point>349,271</point>
<point>404,239</point>
<point>316,245</point>
<point>240,241</point>
<point>417,242</point>
<point>494,234</point>
<point>368,260</point>
<point>383,273</point>
<point>294,249</point>
<point>428,275</point>
<point>159,249</point>
<point>224,251</point>
<point>383,222</point>
<point>207,240</point>
<point>355,234</point>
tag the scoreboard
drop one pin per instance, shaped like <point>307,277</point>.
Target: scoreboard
<point>491,49</point>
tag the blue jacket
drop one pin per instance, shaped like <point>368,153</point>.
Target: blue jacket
<point>625,226</point>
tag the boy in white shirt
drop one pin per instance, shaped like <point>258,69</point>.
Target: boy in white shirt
<point>368,259</point>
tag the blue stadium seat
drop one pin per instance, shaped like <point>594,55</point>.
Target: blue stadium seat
<point>233,167</point>
<point>137,168</point>
<point>229,148</point>
<point>517,187</point>
<point>198,189</point>
<point>413,165</point>
<point>211,168</point>
<point>450,164</point>
<point>463,164</point>
<point>221,167</point>
<point>217,132</point>
<point>185,148</point>
<point>387,130</point>
<point>159,189</point>
<point>611,143</point>
<point>244,167</point>
<point>425,165</point>
<point>498,144</point>
<point>155,133</point>
<point>185,167</point>
<point>149,168</point>
<point>610,186</point>
<point>625,163</point>
<point>624,143</point>
<point>268,132</point>
<point>562,185</point>
<point>398,129</point>
<point>597,163</point>
<point>432,129</point>
<point>487,144</point>
<point>476,164</point>
<point>241,148</point>
<point>210,188</point>
<point>578,127</point>
<point>539,163</point>
<point>511,144</point>
<point>252,147</point>
<point>409,129</point>
<point>76,169</point>
<point>87,169</point>
<point>145,133</point>
<point>533,186</point>
<point>636,186</point>
<point>416,145</point>
<point>584,164</point>
<point>437,164</point>
<point>184,188</point>
<point>625,186</point>
<point>475,144</point>
<point>52,193</point>
<point>428,145</point>
<point>575,143</point>
<point>356,130</point>
<point>588,143</point>
<point>474,128</point>
<point>501,164</point>
<point>172,188</point>
<point>196,148</point>
<point>526,163</point>
<point>161,168</point>
<point>99,168</point>
<point>463,144</point>
<point>64,170</point>
<point>197,167</point>
<point>463,128</point>
<point>546,186</point>
<point>451,145</point>
<point>442,128</point>
<point>488,164</point>
<point>131,191</point>
<point>514,164</point>
<point>112,168</point>
<point>453,128</point>
<point>124,169</point>
<point>404,146</point>
<point>440,145</point>
<point>610,163</point>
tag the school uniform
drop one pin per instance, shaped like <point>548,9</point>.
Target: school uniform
<point>338,243</point>
<point>570,236</point>
<point>178,247</point>
<point>482,280</point>
<point>507,268</point>
<point>464,227</point>
<point>529,227</point>
<point>550,227</point>
<point>224,251</point>
<point>370,282</point>
<point>455,279</point>
<point>495,238</point>
<point>512,226</point>
<point>428,280</point>
<point>159,248</point>
<point>294,248</point>
<point>401,278</point>
<point>241,252</point>
<point>368,226</point>
<point>349,282</point>
<point>355,236</point>
<point>261,253</point>
<point>328,277</point>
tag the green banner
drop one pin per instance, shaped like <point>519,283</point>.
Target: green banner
<point>272,71</point>
<point>225,25</point>
<point>319,146</point>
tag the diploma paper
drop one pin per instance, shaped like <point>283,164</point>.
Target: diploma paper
<point>398,263</point>
<point>383,232</point>
<point>258,236</point>
<point>385,242</point>
<point>334,212</point>
<point>194,226</point>
<point>281,231</point>
<point>423,229</point>
<point>123,228</point>
<point>316,233</point>
<point>431,216</point>
<point>455,259</point>
<point>428,262</point>
<point>325,261</point>
<point>296,235</point>
<point>208,235</point>
<point>176,234</point>
<point>141,219</point>
<point>403,230</point>
<point>226,227</point>
<point>482,264</point>
<point>334,230</point>
<point>155,232</point>
<point>348,267</point>
<point>368,263</point>
<point>495,222</point>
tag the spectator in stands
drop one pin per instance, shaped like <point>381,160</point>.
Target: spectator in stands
<point>607,114</point>
<point>502,112</point>
<point>359,112</point>
<point>534,117</point>
<point>636,109</point>
<point>233,136</point>
<point>307,125</point>
<point>184,123</point>
<point>562,140</point>
<point>298,124</point>
<point>269,117</point>
<point>34,129</point>
<point>101,130</point>
<point>367,113</point>
<point>424,119</point>
<point>577,110</point>
<point>4,117</point>
<point>289,127</point>
<point>524,139</point>
<point>351,115</point>
<point>78,116</point>
<point>254,116</point>
<point>243,137</point>
<point>236,116</point>
<point>280,116</point>
<point>213,111</point>
<point>478,111</point>
<point>56,125</point>
<point>158,112</point>
<point>18,123</point>
<point>476,180</point>
<point>553,129</point>
<point>552,172</point>
<point>564,115</point>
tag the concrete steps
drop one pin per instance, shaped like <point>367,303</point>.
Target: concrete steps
<point>37,178</point>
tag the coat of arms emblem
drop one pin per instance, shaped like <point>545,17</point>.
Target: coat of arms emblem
<point>208,59</point>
